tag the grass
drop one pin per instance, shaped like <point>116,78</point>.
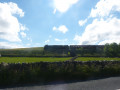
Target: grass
<point>28,49</point>
<point>95,59</point>
<point>31,59</point>
<point>50,59</point>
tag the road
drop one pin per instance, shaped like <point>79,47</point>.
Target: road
<point>112,83</point>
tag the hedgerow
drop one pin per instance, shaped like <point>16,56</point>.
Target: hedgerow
<point>44,72</point>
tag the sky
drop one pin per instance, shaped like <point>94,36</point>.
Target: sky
<point>35,23</point>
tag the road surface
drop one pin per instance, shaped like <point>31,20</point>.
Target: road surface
<point>112,83</point>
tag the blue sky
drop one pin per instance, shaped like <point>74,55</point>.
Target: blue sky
<point>35,23</point>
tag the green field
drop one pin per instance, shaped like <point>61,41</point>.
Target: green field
<point>95,59</point>
<point>50,59</point>
<point>25,49</point>
<point>31,59</point>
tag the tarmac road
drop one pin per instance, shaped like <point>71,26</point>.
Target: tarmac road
<point>112,83</point>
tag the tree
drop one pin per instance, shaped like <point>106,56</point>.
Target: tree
<point>119,47</point>
<point>106,49</point>
<point>111,50</point>
<point>114,49</point>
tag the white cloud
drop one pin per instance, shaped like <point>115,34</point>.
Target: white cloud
<point>105,7</point>
<point>23,34</point>
<point>14,9</point>
<point>101,32</point>
<point>105,27</point>
<point>47,41</point>
<point>63,5</point>
<point>59,40</point>
<point>82,22</point>
<point>10,45</point>
<point>9,24</point>
<point>77,38</point>
<point>61,28</point>
<point>23,27</point>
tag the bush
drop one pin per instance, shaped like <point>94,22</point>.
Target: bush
<point>44,72</point>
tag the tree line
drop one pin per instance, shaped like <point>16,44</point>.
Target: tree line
<point>109,50</point>
<point>112,50</point>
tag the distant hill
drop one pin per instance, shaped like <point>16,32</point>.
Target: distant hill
<point>35,51</point>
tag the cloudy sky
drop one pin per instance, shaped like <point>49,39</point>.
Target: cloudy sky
<point>35,23</point>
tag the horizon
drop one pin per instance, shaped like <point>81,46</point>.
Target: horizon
<point>49,45</point>
<point>30,23</point>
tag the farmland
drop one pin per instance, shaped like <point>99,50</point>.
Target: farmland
<point>51,59</point>
<point>32,59</point>
<point>95,59</point>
